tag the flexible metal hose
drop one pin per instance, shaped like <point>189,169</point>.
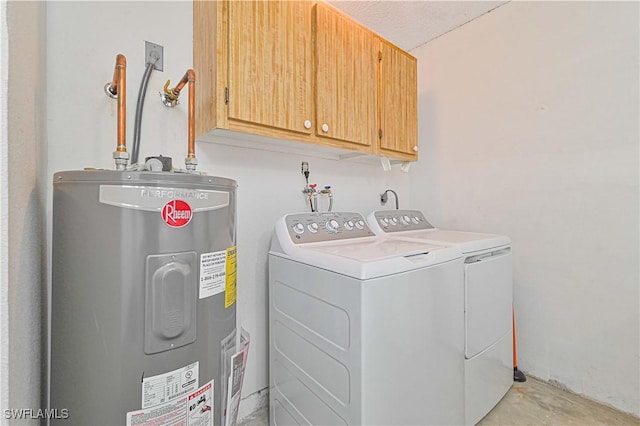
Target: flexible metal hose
<point>139,105</point>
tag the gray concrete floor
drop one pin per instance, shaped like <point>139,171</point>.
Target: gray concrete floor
<point>530,403</point>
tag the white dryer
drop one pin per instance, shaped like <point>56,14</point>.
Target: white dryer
<point>363,330</point>
<point>488,298</point>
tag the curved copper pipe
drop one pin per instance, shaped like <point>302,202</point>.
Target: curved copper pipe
<point>119,87</point>
<point>173,94</point>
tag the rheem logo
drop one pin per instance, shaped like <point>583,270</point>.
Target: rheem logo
<point>176,213</point>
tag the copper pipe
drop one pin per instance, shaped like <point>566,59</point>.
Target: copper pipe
<point>191,151</point>
<point>119,87</point>
<point>171,99</point>
<point>185,80</point>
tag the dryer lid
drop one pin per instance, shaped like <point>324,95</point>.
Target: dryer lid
<point>467,242</point>
<point>413,224</point>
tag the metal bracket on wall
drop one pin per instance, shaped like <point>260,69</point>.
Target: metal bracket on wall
<point>154,52</point>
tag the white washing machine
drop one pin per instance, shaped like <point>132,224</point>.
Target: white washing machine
<point>488,298</point>
<point>363,330</point>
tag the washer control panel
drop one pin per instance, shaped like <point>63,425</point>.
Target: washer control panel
<point>401,220</point>
<point>327,226</point>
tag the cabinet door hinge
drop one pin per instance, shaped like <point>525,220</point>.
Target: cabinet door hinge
<point>379,56</point>
<point>380,133</point>
<point>226,95</point>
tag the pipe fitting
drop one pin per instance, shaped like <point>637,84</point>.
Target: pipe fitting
<point>168,97</point>
<point>110,91</point>
<point>191,163</point>
<point>121,159</point>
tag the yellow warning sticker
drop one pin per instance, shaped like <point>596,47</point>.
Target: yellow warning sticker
<point>230,286</point>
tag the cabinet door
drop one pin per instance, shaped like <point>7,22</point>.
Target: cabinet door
<point>346,75</point>
<point>398,94</point>
<point>270,63</point>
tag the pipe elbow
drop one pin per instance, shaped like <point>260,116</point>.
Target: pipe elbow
<point>121,60</point>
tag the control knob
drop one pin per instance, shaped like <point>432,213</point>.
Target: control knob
<point>348,225</point>
<point>394,221</point>
<point>332,226</point>
<point>360,224</point>
<point>313,227</point>
<point>298,228</point>
<point>384,222</point>
<point>405,220</point>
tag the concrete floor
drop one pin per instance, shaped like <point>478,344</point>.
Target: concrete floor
<point>530,403</point>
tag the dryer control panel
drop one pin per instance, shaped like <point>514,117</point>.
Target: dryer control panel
<point>401,220</point>
<point>326,226</point>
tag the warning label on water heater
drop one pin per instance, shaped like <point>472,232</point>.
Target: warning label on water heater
<point>230,279</point>
<point>213,270</point>
<point>218,274</point>
<point>192,409</point>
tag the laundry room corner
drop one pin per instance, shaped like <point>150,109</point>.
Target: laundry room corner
<point>533,133</point>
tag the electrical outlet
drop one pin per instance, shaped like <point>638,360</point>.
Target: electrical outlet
<point>152,52</point>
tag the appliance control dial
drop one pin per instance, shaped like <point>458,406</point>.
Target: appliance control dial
<point>360,224</point>
<point>384,222</point>
<point>332,226</point>
<point>415,220</point>
<point>348,225</point>
<point>394,221</point>
<point>313,227</point>
<point>298,228</point>
<point>405,219</point>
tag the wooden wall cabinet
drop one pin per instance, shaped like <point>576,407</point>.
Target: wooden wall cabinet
<point>301,71</point>
<point>270,64</point>
<point>346,78</point>
<point>397,103</point>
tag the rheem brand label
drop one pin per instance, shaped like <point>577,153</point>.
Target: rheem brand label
<point>176,213</point>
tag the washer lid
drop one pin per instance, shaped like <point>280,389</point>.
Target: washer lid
<point>369,250</point>
<point>352,252</point>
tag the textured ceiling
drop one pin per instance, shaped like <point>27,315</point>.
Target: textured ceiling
<point>408,24</point>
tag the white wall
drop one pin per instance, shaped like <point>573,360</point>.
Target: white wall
<point>83,39</point>
<point>528,125</point>
<point>4,213</point>
<point>24,218</point>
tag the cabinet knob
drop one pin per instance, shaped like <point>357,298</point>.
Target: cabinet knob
<point>307,124</point>
<point>325,127</point>
<point>415,148</point>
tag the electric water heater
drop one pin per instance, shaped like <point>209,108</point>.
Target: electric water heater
<point>143,313</point>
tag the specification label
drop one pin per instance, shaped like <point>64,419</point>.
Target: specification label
<point>166,387</point>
